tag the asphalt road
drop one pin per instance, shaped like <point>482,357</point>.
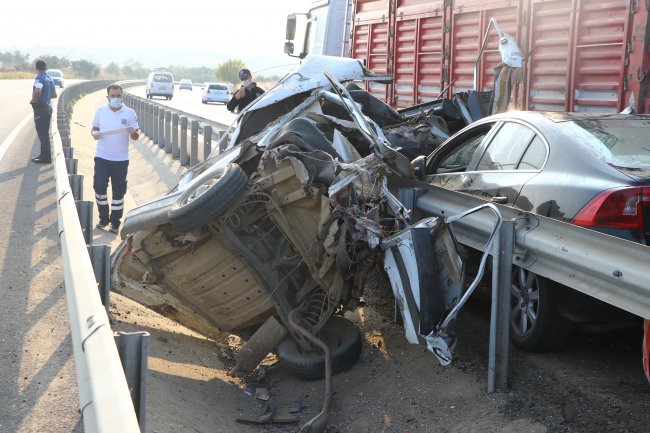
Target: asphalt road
<point>37,378</point>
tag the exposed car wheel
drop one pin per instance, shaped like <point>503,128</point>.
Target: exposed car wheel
<point>208,198</point>
<point>341,336</point>
<point>535,322</point>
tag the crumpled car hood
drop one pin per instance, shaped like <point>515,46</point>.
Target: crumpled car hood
<point>308,76</point>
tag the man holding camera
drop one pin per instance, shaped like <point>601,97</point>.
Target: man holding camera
<point>246,94</point>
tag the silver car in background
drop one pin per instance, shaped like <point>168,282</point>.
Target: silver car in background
<point>215,92</point>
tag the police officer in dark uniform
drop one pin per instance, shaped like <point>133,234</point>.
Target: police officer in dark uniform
<point>246,94</point>
<point>42,93</point>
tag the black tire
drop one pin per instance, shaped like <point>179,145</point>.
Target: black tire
<point>208,198</point>
<point>536,324</point>
<point>342,337</point>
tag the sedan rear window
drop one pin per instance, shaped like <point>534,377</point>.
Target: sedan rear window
<point>217,87</point>
<point>619,142</point>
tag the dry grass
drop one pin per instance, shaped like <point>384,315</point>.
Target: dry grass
<point>16,75</point>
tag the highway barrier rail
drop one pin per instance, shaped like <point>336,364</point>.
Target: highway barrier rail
<point>108,402</point>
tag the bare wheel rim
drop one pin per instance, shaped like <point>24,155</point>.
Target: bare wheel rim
<point>201,189</point>
<point>524,296</point>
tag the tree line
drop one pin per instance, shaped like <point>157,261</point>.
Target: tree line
<point>16,61</point>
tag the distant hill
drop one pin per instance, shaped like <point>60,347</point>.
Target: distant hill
<point>160,57</point>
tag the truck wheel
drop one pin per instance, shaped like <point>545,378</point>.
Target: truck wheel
<point>535,323</point>
<point>208,198</point>
<point>341,336</point>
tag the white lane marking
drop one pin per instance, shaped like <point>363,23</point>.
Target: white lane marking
<point>12,135</point>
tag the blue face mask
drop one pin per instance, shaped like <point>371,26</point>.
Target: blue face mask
<point>115,102</point>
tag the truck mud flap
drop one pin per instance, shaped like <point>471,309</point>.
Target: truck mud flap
<point>426,273</point>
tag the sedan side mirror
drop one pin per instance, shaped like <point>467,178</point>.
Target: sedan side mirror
<point>419,166</point>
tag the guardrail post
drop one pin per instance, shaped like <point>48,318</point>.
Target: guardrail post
<point>71,165</point>
<point>145,117</point>
<point>77,186</point>
<point>500,316</point>
<point>150,120</point>
<point>175,150</point>
<point>133,348</point>
<point>142,116</point>
<point>184,159</point>
<point>194,150</point>
<point>207,141</point>
<point>168,133</point>
<point>135,104</point>
<point>154,124</point>
<point>222,142</point>
<point>85,211</point>
<point>100,257</point>
<point>161,127</point>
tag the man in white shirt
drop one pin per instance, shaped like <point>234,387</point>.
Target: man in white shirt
<point>113,124</point>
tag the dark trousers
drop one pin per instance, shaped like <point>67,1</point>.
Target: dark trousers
<point>42,118</point>
<point>115,171</point>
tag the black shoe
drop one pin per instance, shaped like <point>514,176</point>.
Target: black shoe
<point>41,160</point>
<point>114,229</point>
<point>101,225</point>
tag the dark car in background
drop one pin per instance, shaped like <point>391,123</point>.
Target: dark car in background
<point>591,170</point>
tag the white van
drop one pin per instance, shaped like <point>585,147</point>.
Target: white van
<point>160,83</point>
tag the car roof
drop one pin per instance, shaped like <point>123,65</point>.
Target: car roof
<point>558,117</point>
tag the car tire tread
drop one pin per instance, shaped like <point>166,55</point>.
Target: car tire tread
<point>212,203</point>
<point>311,366</point>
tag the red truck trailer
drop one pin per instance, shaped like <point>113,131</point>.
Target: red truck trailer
<point>580,55</point>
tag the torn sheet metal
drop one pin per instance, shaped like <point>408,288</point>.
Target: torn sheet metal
<point>426,274</point>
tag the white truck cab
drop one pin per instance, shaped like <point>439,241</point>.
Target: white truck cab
<point>324,29</point>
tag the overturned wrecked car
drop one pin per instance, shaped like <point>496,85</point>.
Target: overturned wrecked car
<point>272,236</point>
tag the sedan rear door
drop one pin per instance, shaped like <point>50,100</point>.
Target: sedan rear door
<point>492,160</point>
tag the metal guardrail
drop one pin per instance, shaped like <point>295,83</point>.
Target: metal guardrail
<point>608,268</point>
<point>170,128</point>
<point>104,396</point>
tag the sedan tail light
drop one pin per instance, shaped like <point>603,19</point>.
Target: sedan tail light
<point>620,208</point>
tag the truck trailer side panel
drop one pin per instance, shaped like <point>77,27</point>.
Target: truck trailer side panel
<point>582,55</point>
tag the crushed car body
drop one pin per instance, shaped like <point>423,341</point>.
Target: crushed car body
<point>275,234</point>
